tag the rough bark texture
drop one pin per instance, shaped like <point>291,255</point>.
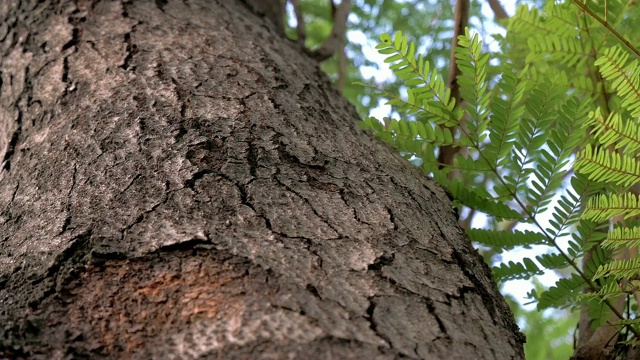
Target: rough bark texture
<point>180,182</point>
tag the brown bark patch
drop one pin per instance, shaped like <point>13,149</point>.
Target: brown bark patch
<point>119,305</point>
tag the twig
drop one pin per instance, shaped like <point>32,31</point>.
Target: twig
<point>602,22</point>
<point>342,66</point>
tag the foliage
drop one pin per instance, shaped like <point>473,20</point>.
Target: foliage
<point>548,337</point>
<point>429,20</point>
<point>563,93</point>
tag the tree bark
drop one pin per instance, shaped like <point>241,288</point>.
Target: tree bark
<point>180,182</point>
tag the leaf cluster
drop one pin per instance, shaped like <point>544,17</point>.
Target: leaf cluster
<point>548,138</point>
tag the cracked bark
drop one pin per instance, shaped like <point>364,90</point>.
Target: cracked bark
<point>180,182</point>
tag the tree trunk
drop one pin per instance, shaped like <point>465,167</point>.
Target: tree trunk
<point>180,182</point>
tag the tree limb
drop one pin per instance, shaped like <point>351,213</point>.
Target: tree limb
<point>461,21</point>
<point>498,11</point>
<point>332,43</point>
<point>301,28</point>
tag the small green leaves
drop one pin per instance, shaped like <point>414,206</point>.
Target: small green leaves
<point>428,97</point>
<point>619,269</point>
<point>516,271</point>
<point>606,166</point>
<point>518,122</point>
<point>505,240</point>
<point>564,293</point>
<point>625,77</point>
<point>473,84</point>
<point>616,131</point>
<point>605,207</point>
<point>622,237</point>
<point>472,199</point>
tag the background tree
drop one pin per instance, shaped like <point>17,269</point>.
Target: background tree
<point>178,181</point>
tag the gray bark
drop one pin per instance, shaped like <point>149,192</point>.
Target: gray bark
<point>180,182</point>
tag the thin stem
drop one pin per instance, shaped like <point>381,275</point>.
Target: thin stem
<point>604,23</point>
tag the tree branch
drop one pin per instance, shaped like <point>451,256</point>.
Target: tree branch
<point>301,28</point>
<point>498,11</point>
<point>461,21</point>
<point>332,43</point>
